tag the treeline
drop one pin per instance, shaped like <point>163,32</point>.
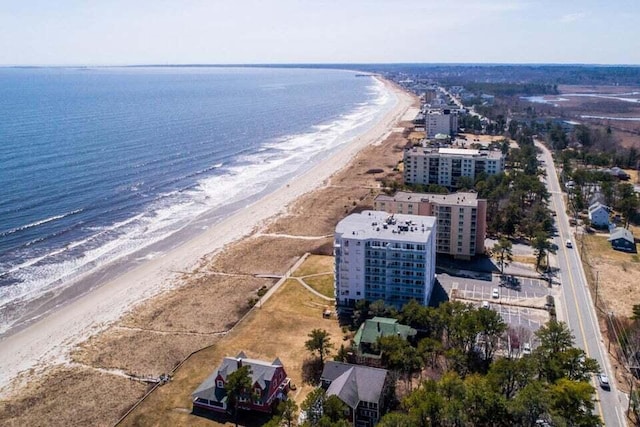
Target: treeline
<point>512,89</point>
<point>468,384</point>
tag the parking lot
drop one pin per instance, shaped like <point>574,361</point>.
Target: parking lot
<point>519,300</point>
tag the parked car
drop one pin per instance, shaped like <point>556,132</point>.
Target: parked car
<point>569,244</point>
<point>495,293</point>
<point>603,379</point>
<point>526,348</point>
<point>485,304</point>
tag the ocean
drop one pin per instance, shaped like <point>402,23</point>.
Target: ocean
<point>97,165</point>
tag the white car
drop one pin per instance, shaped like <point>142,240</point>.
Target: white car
<point>569,244</point>
<point>526,348</point>
<point>603,379</point>
<point>495,293</point>
<point>485,304</point>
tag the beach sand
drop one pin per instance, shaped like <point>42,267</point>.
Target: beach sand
<point>196,270</point>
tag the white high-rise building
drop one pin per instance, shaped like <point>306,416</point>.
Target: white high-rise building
<point>440,120</point>
<point>379,256</point>
<point>444,166</point>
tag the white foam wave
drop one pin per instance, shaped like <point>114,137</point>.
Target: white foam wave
<point>243,180</point>
<point>40,222</point>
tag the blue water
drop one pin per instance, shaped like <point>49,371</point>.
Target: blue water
<point>99,163</point>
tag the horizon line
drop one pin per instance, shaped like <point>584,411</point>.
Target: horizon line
<point>318,64</point>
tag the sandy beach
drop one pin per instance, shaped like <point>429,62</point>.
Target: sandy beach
<point>50,340</point>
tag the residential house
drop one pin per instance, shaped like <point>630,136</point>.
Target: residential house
<point>622,240</point>
<point>363,389</point>
<point>599,215</point>
<point>365,342</point>
<point>461,218</point>
<point>269,386</point>
<point>386,257</point>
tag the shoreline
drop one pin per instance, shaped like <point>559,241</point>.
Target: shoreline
<point>49,340</point>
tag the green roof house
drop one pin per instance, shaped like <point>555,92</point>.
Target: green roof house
<point>365,343</point>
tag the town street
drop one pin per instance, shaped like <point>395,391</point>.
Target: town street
<point>577,308</point>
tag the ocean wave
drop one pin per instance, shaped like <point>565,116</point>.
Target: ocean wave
<point>238,177</point>
<point>37,223</point>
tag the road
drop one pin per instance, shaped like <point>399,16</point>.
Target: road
<point>578,307</point>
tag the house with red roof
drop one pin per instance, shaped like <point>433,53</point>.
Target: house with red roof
<point>269,379</point>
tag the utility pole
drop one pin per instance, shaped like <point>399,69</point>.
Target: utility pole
<point>597,277</point>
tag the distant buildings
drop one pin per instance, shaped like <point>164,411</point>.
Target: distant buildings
<point>365,342</point>
<point>363,389</point>
<point>440,120</point>
<point>384,257</point>
<point>461,218</point>
<point>444,166</point>
<point>269,385</point>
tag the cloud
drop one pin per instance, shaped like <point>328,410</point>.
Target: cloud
<point>572,17</point>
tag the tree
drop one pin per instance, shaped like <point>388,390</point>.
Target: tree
<point>529,404</point>
<point>503,249</point>
<point>237,385</point>
<point>396,419</point>
<point>628,202</point>
<point>319,342</point>
<point>313,406</point>
<point>572,402</point>
<point>288,410</point>
<point>334,409</point>
<point>398,355</point>
<point>541,246</point>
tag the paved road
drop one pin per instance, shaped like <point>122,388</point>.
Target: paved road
<point>578,306</point>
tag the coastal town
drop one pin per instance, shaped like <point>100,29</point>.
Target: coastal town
<point>320,214</point>
<point>424,248</point>
<point>454,266</point>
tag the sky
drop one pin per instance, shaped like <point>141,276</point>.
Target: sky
<point>121,32</point>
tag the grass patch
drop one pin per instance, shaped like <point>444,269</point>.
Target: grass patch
<point>525,259</point>
<point>599,247</point>
<point>322,284</point>
<point>315,264</point>
<point>278,329</point>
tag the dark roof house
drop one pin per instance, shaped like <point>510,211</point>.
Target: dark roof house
<point>365,342</point>
<point>270,385</point>
<point>622,239</point>
<point>363,389</point>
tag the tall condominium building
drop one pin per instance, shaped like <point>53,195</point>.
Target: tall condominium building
<point>440,120</point>
<point>461,218</point>
<point>444,166</point>
<point>379,256</point>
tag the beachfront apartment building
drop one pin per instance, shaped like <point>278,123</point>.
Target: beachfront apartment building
<point>461,218</point>
<point>444,166</point>
<point>440,120</point>
<point>379,256</point>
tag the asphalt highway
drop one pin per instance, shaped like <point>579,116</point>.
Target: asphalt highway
<point>578,308</point>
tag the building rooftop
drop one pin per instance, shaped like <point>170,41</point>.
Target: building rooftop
<point>372,329</point>
<point>385,226</point>
<point>463,152</point>
<point>261,373</point>
<point>621,232</point>
<point>466,198</point>
<point>354,383</point>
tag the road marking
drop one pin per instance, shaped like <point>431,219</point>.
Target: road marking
<point>575,297</point>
